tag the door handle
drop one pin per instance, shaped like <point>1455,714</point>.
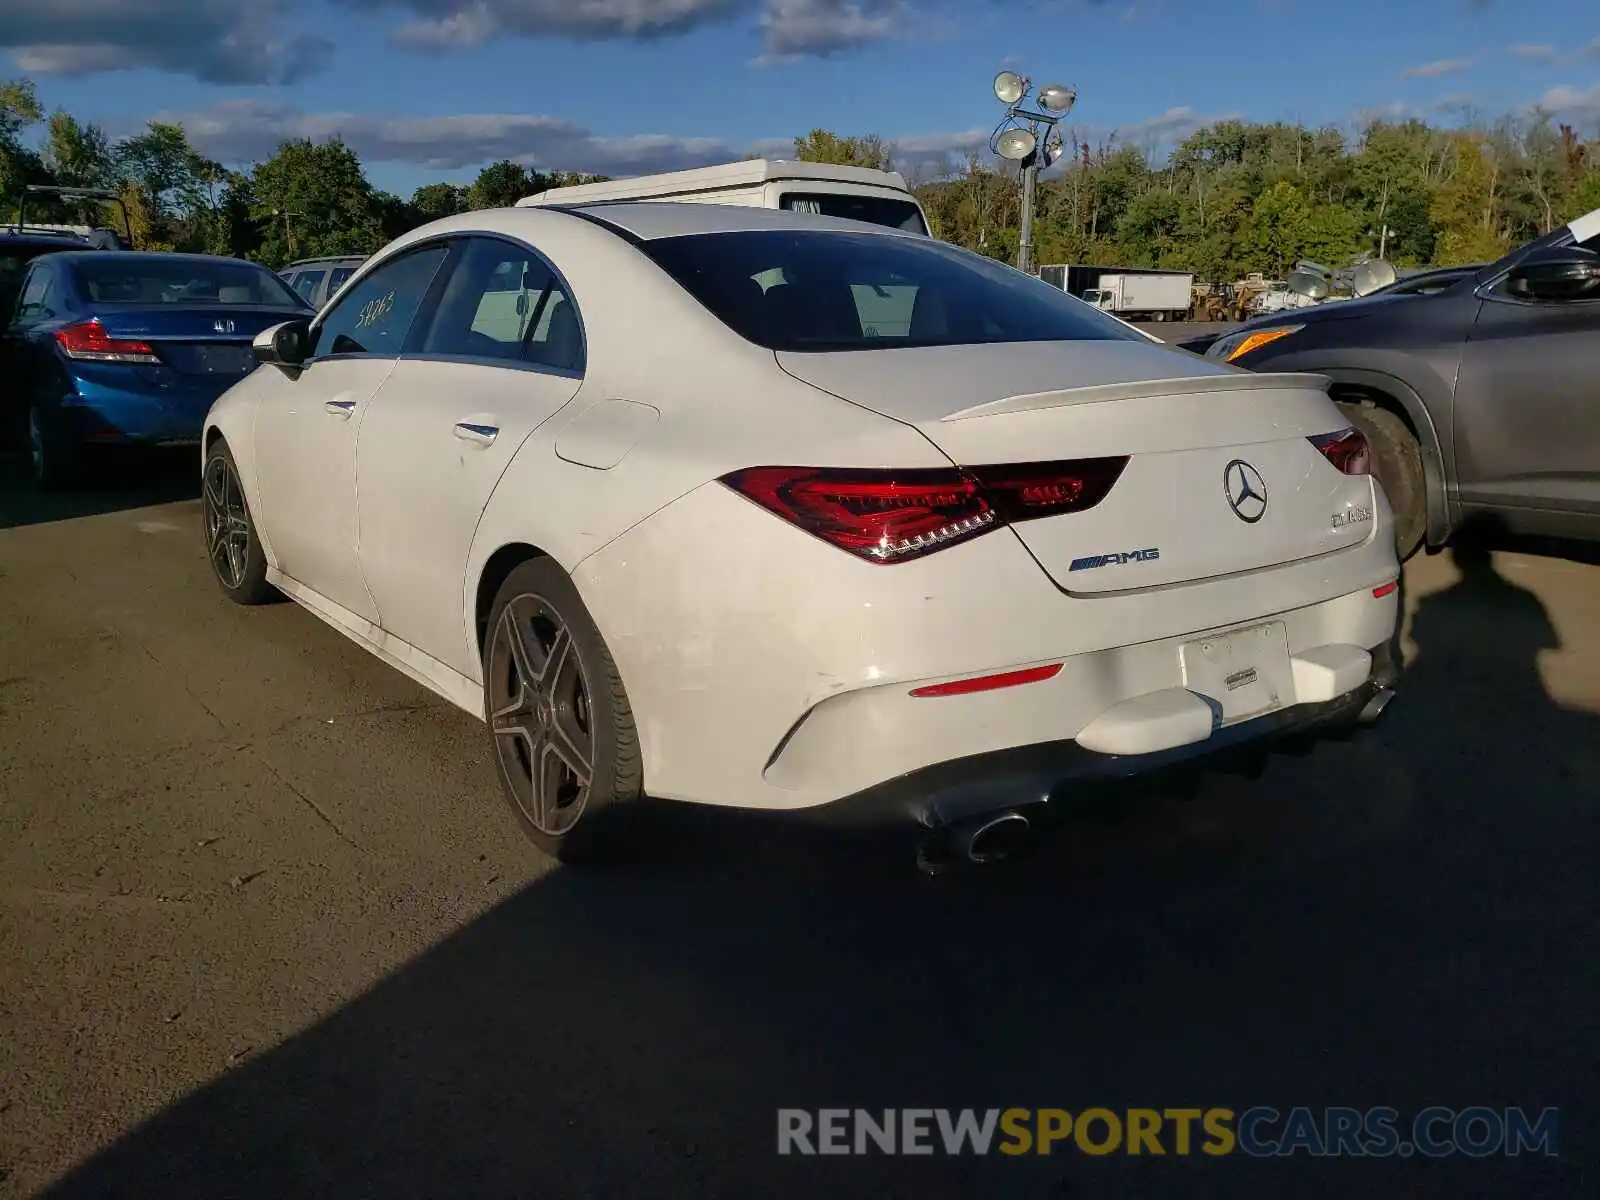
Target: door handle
<point>470,431</point>
<point>339,408</point>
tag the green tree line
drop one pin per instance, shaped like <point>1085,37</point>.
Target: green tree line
<point>1236,197</point>
<point>1229,199</point>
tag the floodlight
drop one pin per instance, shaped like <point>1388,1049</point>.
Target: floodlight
<point>1010,87</point>
<point>1015,144</point>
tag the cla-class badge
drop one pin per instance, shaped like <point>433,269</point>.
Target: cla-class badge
<point>1246,491</point>
<point>222,326</point>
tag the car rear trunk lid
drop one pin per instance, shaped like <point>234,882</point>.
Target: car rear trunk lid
<point>1221,477</point>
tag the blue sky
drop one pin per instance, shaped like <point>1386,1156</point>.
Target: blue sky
<point>433,89</point>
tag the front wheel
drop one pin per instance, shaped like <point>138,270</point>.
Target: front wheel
<point>563,733</point>
<point>1397,462</point>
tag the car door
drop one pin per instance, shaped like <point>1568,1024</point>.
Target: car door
<point>1527,408</point>
<point>501,353</point>
<point>306,429</point>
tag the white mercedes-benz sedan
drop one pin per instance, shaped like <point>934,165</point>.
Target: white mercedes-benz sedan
<point>771,511</point>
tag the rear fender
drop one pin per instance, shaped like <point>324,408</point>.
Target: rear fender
<point>1441,517</point>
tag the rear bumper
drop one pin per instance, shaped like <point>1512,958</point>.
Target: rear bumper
<point>128,418</point>
<point>1046,775</point>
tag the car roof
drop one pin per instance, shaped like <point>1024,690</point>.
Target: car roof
<point>326,258</point>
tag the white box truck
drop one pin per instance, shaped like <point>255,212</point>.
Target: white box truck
<point>1135,296</point>
<point>879,197</point>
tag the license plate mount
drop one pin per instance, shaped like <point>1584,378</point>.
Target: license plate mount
<point>1245,673</point>
<point>223,360</point>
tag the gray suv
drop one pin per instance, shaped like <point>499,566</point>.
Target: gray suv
<point>317,279</point>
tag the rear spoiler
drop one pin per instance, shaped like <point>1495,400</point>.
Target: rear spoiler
<point>1243,381</point>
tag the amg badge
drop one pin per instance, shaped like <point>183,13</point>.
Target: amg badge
<point>1114,560</point>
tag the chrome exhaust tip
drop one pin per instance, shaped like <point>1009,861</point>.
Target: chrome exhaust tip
<point>1373,709</point>
<point>994,837</point>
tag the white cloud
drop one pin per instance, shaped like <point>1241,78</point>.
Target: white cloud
<point>1534,53</point>
<point>239,132</point>
<point>1550,56</point>
<point>811,28</point>
<point>452,24</point>
<point>1581,105</point>
<point>1443,66</point>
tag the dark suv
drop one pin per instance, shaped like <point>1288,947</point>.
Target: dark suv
<point>1479,388</point>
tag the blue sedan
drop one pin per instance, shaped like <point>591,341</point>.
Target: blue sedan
<point>108,348</point>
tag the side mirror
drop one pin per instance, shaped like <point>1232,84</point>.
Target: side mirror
<point>285,346</point>
<point>1566,273</point>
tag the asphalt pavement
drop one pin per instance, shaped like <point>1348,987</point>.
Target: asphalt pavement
<point>266,928</point>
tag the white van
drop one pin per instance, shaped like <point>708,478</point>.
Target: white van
<point>858,193</point>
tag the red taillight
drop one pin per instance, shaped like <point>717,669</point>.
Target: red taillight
<point>888,516</point>
<point>1384,589</point>
<point>89,340</point>
<point>882,516</point>
<point>1021,491</point>
<point>1346,449</point>
<point>988,683</point>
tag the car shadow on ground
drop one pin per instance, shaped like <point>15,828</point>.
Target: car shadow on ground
<point>116,482</point>
<point>1405,919</point>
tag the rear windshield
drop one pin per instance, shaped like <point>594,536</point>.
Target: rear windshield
<point>136,279</point>
<point>824,290</point>
<point>876,210</point>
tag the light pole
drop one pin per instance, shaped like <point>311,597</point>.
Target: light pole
<point>1017,140</point>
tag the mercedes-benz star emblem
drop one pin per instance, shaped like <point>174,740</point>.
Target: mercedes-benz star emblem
<point>1246,491</point>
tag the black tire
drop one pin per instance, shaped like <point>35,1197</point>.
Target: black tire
<point>1397,462</point>
<point>557,714</point>
<point>54,460</point>
<point>232,544</point>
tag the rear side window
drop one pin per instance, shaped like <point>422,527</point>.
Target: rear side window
<point>306,283</point>
<point>35,302</point>
<point>336,280</point>
<point>827,291</point>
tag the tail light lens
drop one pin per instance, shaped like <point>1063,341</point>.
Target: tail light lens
<point>1024,490</point>
<point>889,516</point>
<point>1346,449</point>
<point>89,341</point>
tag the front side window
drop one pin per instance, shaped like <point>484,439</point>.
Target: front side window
<point>306,283</point>
<point>375,316</point>
<point>152,279</point>
<point>875,210</point>
<point>859,291</point>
